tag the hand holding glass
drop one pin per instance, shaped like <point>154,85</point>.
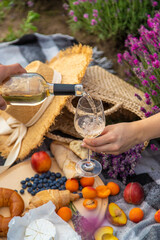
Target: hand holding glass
<point>89,122</point>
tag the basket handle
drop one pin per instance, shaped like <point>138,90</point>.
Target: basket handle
<point>107,112</point>
<point>113,109</point>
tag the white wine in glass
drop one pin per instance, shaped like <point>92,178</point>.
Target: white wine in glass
<point>89,122</point>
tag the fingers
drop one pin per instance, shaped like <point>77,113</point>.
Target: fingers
<point>8,70</point>
<point>3,104</point>
<point>106,148</point>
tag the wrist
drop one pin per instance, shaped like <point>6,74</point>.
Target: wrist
<point>139,131</point>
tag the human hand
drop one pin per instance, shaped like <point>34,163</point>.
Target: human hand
<point>5,72</point>
<point>115,139</point>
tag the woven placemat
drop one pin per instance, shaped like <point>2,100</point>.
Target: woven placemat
<point>118,97</point>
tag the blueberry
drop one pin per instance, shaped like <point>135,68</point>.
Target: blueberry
<point>34,186</point>
<point>27,179</point>
<point>49,181</point>
<point>45,185</point>
<point>29,184</point>
<point>60,188</point>
<point>23,182</point>
<point>54,182</point>
<point>58,175</point>
<point>16,190</point>
<point>61,181</point>
<point>21,191</point>
<point>45,180</point>
<point>58,185</point>
<point>53,174</point>
<point>80,188</point>
<point>32,179</point>
<point>80,194</point>
<point>36,180</point>
<point>41,177</point>
<point>29,190</point>
<point>40,185</point>
<point>48,174</point>
<point>32,193</point>
<point>63,187</point>
<point>24,186</point>
<point>53,178</point>
<point>64,178</point>
<point>36,175</point>
<point>74,192</point>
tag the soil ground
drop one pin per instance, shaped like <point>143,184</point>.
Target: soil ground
<point>53,19</point>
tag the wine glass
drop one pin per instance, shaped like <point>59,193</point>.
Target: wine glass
<point>89,122</point>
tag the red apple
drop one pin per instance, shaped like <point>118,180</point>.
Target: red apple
<point>134,193</point>
<point>41,162</point>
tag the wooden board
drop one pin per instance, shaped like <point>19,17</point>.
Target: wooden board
<point>13,176</point>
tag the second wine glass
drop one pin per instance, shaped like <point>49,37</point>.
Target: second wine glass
<point>89,122</point>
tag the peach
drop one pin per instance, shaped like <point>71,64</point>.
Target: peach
<point>41,162</point>
<point>104,233</point>
<point>134,193</point>
<point>116,215</point>
<point>89,192</point>
<point>157,216</point>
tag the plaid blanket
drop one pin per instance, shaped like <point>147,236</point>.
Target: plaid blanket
<point>40,47</point>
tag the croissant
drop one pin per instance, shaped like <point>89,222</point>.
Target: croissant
<point>9,198</point>
<point>59,198</point>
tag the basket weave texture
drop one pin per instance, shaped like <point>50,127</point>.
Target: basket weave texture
<point>118,99</point>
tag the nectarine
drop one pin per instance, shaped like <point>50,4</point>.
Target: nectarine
<point>41,162</point>
<point>104,233</point>
<point>134,193</point>
<point>116,215</point>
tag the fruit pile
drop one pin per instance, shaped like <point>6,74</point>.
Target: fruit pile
<point>39,182</point>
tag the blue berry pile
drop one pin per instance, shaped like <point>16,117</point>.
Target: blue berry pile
<point>44,181</point>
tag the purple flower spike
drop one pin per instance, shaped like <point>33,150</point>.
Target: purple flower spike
<point>154,147</point>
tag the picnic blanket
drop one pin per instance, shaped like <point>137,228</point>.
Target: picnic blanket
<point>41,47</point>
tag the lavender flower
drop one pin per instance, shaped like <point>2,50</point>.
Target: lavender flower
<point>83,226</point>
<point>85,15</point>
<point>154,147</point>
<point>120,165</point>
<point>93,22</point>
<point>30,4</point>
<point>144,60</point>
<point>75,19</point>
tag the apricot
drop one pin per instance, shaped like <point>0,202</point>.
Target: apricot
<point>114,187</point>
<point>89,192</point>
<point>103,191</point>
<point>104,233</point>
<point>90,204</point>
<point>116,215</point>
<point>134,193</point>
<point>87,181</point>
<point>136,215</point>
<point>65,213</point>
<point>72,185</point>
<point>157,216</point>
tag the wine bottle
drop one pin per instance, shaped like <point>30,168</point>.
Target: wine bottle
<point>33,89</point>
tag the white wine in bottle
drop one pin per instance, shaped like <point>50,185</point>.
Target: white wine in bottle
<point>32,89</point>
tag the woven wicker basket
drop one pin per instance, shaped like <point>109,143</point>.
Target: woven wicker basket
<point>118,98</point>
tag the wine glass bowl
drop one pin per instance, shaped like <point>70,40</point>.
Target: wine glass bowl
<point>89,122</point>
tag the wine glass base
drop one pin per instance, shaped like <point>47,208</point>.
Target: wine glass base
<point>88,169</point>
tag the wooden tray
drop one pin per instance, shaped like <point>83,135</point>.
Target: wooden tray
<point>13,176</point>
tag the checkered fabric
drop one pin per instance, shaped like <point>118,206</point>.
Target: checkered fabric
<point>40,47</point>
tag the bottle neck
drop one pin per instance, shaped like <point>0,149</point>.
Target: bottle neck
<point>65,89</point>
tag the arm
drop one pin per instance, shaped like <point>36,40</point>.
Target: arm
<point>120,137</point>
<point>5,72</point>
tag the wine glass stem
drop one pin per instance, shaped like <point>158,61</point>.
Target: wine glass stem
<point>89,156</point>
